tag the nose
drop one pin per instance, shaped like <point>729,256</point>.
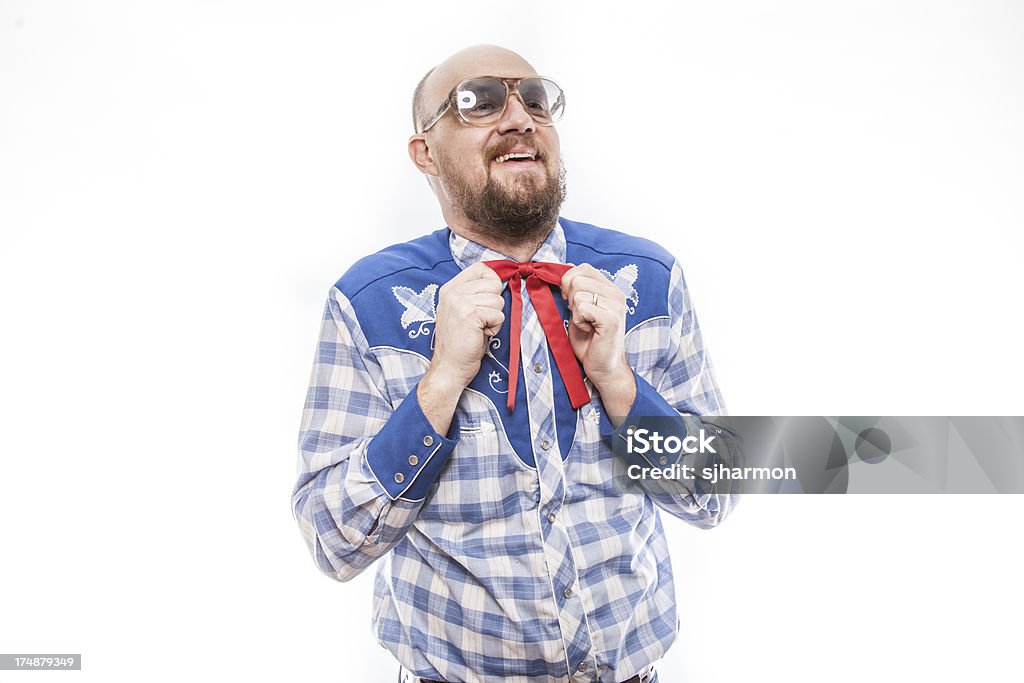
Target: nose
<point>515,117</point>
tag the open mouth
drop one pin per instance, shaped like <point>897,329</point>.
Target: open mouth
<point>516,158</point>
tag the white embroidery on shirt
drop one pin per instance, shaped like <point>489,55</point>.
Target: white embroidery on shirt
<point>419,308</point>
<point>625,279</point>
<point>495,378</point>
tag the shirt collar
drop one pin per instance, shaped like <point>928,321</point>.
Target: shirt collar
<point>466,252</point>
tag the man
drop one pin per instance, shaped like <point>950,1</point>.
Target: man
<point>468,389</point>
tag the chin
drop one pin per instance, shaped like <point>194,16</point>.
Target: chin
<point>528,182</point>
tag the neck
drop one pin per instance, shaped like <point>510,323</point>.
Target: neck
<point>521,250</point>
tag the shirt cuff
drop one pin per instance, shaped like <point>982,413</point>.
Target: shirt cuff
<point>649,411</point>
<point>407,455</point>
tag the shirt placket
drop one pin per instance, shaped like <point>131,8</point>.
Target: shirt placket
<point>551,474</point>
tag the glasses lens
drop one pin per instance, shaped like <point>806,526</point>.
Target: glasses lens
<point>480,100</point>
<point>543,99</point>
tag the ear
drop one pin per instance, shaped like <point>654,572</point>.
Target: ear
<point>419,152</point>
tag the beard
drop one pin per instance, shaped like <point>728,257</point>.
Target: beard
<point>523,208</point>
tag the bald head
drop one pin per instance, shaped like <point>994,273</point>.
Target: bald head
<point>478,60</point>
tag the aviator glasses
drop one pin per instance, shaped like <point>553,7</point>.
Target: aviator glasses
<point>481,100</point>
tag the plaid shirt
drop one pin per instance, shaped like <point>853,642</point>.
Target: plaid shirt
<point>510,547</point>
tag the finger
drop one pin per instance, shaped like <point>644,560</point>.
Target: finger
<point>570,283</point>
<point>567,279</point>
<point>580,274</point>
<point>590,318</point>
<point>587,269</point>
<point>579,335</point>
<point>491,320</point>
<point>612,300</point>
<point>586,310</point>
<point>459,286</point>
<point>597,274</point>
<point>587,287</point>
<point>584,270</point>
<point>580,298</point>
<point>478,271</point>
<point>481,285</point>
<point>485,300</point>
<point>580,322</point>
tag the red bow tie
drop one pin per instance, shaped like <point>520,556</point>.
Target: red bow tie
<point>538,276</point>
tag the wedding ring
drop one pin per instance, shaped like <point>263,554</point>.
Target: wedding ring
<point>595,298</point>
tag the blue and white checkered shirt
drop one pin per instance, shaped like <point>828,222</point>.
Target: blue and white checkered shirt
<point>510,547</point>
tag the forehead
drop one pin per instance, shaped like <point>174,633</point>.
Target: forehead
<point>476,62</point>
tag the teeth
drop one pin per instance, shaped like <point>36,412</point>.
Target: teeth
<point>517,155</point>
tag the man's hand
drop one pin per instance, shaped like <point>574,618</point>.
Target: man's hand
<point>597,333</point>
<point>469,310</point>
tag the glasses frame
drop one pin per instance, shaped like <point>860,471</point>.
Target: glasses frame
<point>511,88</point>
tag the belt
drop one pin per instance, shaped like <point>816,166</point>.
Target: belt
<point>406,676</point>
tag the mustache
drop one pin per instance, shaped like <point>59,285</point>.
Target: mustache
<point>506,145</point>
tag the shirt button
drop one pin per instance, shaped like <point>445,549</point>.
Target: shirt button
<point>551,518</point>
<point>428,440</point>
<point>537,367</point>
<point>413,460</point>
<point>663,460</point>
<point>399,478</point>
<point>545,444</point>
<point>567,593</point>
<point>582,666</point>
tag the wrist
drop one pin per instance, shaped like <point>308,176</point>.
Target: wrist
<point>618,392</point>
<point>438,395</point>
<point>615,381</point>
<point>442,381</point>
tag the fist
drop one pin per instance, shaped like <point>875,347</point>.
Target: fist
<point>597,327</point>
<point>469,311</point>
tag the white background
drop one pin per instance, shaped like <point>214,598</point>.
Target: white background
<point>181,183</point>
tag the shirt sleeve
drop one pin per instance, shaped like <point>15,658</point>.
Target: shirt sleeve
<point>365,463</point>
<point>684,404</point>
